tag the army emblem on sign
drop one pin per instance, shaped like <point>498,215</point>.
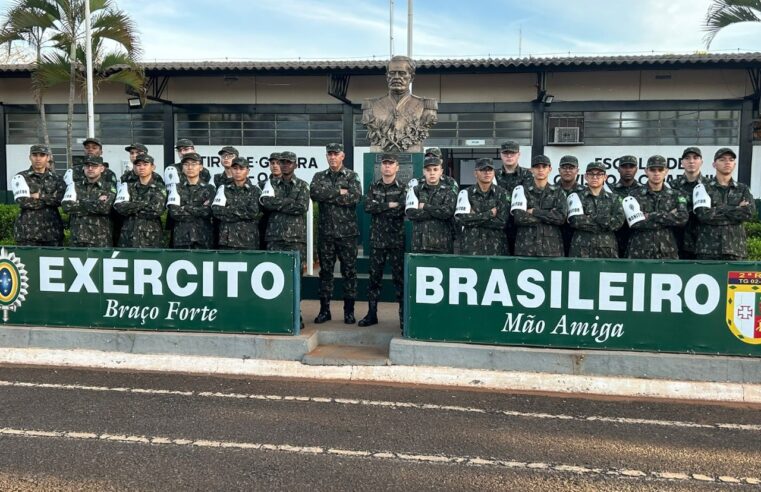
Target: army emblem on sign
<point>744,306</point>
<point>13,283</point>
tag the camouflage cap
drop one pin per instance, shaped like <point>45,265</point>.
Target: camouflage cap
<point>92,159</point>
<point>334,147</point>
<point>568,160</point>
<point>239,162</point>
<point>540,159</point>
<point>144,158</point>
<point>275,156</point>
<point>656,161</point>
<point>183,142</point>
<point>692,150</point>
<point>137,146</point>
<point>92,140</point>
<point>39,149</point>
<point>228,150</point>
<point>288,156</point>
<point>191,156</point>
<point>434,151</point>
<point>389,157</point>
<point>722,151</point>
<point>431,161</point>
<point>628,160</point>
<point>596,166</point>
<point>485,163</point>
<point>510,146</point>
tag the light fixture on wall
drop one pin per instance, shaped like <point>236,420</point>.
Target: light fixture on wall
<point>547,99</point>
<point>134,102</point>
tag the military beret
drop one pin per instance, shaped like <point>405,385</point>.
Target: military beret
<point>510,146</point>
<point>692,150</point>
<point>569,160</point>
<point>435,151</point>
<point>389,157</point>
<point>431,161</point>
<point>144,158</point>
<point>628,160</point>
<point>656,161</point>
<point>595,165</point>
<point>191,156</point>
<point>92,140</point>
<point>334,147</point>
<point>183,142</point>
<point>288,156</point>
<point>722,151</point>
<point>485,163</point>
<point>137,146</point>
<point>240,162</point>
<point>540,159</point>
<point>228,150</point>
<point>39,149</point>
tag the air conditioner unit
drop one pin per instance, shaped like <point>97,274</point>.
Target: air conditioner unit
<point>566,135</point>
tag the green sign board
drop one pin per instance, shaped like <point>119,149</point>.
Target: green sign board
<point>654,306</point>
<point>178,290</point>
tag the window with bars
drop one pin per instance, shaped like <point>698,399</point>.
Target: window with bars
<point>147,128</point>
<point>264,129</point>
<point>454,129</point>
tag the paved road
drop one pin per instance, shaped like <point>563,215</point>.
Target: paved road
<point>89,430</point>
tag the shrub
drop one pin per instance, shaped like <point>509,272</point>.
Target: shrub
<point>754,249</point>
<point>753,229</point>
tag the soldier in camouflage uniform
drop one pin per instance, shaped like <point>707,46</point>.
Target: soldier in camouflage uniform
<point>90,214</point>
<point>239,217</point>
<point>594,230</point>
<point>692,160</point>
<point>192,217</point>
<point>567,182</point>
<point>508,177</point>
<point>626,185</point>
<point>483,229</point>
<point>275,174</point>
<point>721,235</point>
<point>39,223</point>
<point>664,209</point>
<point>432,220</point>
<point>337,192</point>
<point>94,148</point>
<point>142,212</point>
<point>538,227</point>
<point>134,150</point>
<point>226,154</point>
<point>385,202</point>
<point>186,146</point>
<point>445,179</point>
<point>287,227</point>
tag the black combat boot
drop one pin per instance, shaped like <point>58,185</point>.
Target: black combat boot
<point>349,318</point>
<point>324,314</point>
<point>372,315</point>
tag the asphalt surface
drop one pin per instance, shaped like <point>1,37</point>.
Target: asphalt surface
<point>91,430</point>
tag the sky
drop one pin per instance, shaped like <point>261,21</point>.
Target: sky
<point>177,30</point>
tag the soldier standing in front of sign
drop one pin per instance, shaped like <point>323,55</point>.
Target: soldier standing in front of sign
<point>721,235</point>
<point>89,207</point>
<point>94,148</point>
<point>508,177</point>
<point>186,146</point>
<point>663,209</point>
<point>337,192</point>
<point>275,174</point>
<point>384,201</point>
<point>569,172</point>
<point>626,185</point>
<point>432,219</point>
<point>134,150</point>
<point>142,206</point>
<point>237,209</point>
<point>601,214</point>
<point>538,227</point>
<point>192,216</point>
<point>226,154</point>
<point>692,161</point>
<point>38,191</point>
<point>483,226</point>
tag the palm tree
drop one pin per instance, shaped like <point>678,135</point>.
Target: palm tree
<point>114,44</point>
<point>723,13</point>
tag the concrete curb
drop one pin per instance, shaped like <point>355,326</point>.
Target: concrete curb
<point>425,375</point>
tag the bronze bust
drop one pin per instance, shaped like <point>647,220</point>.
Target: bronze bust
<point>399,121</point>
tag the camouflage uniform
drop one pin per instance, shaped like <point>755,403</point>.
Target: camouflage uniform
<point>192,217</point>
<point>239,218</point>
<point>108,176</point>
<point>386,236</point>
<point>337,228</point>
<point>287,226</point>
<point>39,223</point>
<point>432,225</point>
<point>142,224</point>
<point>508,181</point>
<point>566,229</point>
<point>538,233</point>
<point>687,238</point>
<point>265,219</point>
<point>90,215</point>
<point>721,235</point>
<point>593,235</point>
<point>222,179</point>
<point>653,238</point>
<point>484,233</point>
<point>622,235</point>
